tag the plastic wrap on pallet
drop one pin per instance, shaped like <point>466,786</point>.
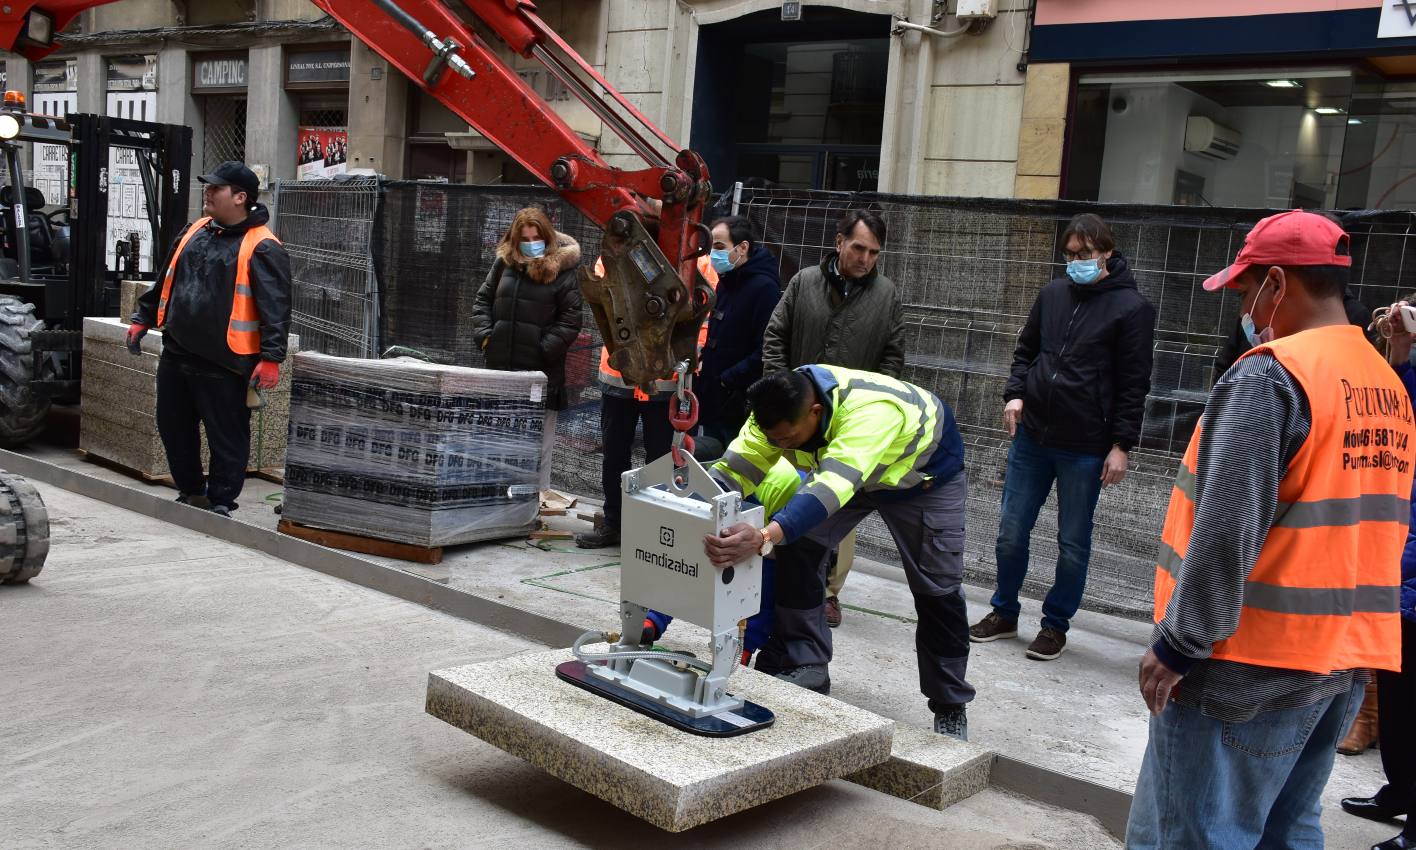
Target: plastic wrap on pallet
<point>415,452</point>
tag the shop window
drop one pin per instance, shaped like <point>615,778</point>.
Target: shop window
<point>1272,139</point>
<point>224,136</point>
<point>324,117</point>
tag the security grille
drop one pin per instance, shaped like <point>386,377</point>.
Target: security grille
<point>324,118</point>
<point>224,138</point>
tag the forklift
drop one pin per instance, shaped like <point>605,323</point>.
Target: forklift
<point>53,269</point>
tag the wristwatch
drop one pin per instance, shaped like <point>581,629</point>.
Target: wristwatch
<point>767,545</point>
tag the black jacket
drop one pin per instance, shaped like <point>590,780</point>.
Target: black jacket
<point>1083,363</point>
<point>203,287</point>
<point>732,356</point>
<point>528,314</point>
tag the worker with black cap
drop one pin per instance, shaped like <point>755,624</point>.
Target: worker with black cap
<point>222,300</point>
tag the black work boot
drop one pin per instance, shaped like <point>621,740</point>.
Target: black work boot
<point>599,537</point>
<point>196,500</point>
<point>952,720</point>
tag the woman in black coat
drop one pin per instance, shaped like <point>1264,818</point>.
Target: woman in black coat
<point>528,311</point>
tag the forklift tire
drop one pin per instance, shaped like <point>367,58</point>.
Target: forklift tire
<point>24,530</point>
<point>22,413</point>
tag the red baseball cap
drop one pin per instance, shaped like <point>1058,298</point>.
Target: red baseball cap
<point>1294,238</point>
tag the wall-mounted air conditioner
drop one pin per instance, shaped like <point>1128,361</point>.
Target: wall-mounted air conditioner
<point>1207,138</point>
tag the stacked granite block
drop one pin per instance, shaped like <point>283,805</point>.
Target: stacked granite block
<point>119,396</point>
<point>128,294</point>
<point>415,452</point>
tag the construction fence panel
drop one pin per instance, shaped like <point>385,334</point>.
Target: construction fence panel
<point>327,227</point>
<point>969,271</point>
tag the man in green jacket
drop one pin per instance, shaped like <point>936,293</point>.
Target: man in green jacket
<point>870,444</point>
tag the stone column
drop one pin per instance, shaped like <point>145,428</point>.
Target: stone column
<point>93,84</point>
<point>270,114</point>
<point>378,113</point>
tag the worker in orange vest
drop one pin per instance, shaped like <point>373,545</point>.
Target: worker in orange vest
<point>1278,577</point>
<point>223,304</point>
<point>623,407</point>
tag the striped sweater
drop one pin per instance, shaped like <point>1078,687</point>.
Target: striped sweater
<point>1256,420</point>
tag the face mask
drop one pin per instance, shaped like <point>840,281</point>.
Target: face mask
<point>533,249</point>
<point>1084,271</point>
<point>1246,321</point>
<point>722,264</point>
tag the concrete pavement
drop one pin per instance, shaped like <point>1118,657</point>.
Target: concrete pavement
<point>1079,715</point>
<point>165,689</point>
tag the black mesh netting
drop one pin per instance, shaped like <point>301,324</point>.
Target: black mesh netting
<point>969,268</point>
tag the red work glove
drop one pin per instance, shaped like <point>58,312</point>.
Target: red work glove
<point>267,375</point>
<point>136,332</point>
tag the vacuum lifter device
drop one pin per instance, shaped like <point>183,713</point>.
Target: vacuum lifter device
<point>667,512</point>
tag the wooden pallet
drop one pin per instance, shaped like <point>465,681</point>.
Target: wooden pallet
<point>362,544</point>
<point>273,474</point>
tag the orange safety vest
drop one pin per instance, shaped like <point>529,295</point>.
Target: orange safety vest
<point>243,332</point>
<point>610,376</point>
<point>1324,594</point>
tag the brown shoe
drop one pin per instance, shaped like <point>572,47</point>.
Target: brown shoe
<point>1363,733</point>
<point>993,627</point>
<point>1048,644</point>
<point>833,611</point>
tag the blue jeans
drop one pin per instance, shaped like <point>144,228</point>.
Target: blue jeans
<point>1031,470</point>
<point>1208,784</point>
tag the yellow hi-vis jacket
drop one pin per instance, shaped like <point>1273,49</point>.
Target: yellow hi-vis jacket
<point>877,435</point>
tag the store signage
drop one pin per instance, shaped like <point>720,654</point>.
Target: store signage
<point>59,75</point>
<point>224,73</point>
<point>1398,19</point>
<point>318,66</point>
<point>134,72</point>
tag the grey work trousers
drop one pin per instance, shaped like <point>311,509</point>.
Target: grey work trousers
<point>928,528</point>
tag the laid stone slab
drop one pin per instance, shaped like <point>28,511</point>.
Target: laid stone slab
<point>670,778</point>
<point>929,769</point>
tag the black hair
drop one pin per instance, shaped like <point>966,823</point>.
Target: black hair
<point>778,397</point>
<point>870,218</point>
<point>1089,228</point>
<point>1319,281</point>
<point>739,230</point>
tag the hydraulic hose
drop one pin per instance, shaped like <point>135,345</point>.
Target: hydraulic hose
<point>577,649</point>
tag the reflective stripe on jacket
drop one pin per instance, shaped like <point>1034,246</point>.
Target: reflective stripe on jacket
<point>610,377</point>
<point>243,331</point>
<point>1324,593</point>
<point>877,434</point>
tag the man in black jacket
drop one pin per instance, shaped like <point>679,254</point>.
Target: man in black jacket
<point>1078,387</point>
<point>222,300</point>
<point>748,290</point>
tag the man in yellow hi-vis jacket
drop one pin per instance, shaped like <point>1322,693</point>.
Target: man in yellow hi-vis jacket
<point>870,444</point>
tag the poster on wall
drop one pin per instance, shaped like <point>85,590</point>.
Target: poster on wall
<point>323,152</point>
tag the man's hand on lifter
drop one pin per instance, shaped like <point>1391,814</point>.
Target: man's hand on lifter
<point>1113,469</point>
<point>1012,415</point>
<point>739,543</point>
<point>266,375</point>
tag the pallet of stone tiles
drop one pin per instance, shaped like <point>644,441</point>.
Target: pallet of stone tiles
<point>165,478</point>
<point>118,400</point>
<point>363,545</point>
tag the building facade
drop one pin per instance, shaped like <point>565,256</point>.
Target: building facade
<point>1225,102</point>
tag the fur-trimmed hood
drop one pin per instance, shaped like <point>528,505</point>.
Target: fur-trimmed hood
<point>565,254</point>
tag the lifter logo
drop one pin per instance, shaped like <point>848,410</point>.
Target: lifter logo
<point>668,563</point>
<point>666,536</point>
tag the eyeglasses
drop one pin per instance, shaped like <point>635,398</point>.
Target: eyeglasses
<point>1069,256</point>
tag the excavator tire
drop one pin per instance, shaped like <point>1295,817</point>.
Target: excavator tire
<point>22,413</point>
<point>24,530</point>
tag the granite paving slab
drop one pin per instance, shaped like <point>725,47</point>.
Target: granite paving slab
<point>929,769</point>
<point>670,778</point>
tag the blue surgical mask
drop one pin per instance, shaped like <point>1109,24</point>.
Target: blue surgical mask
<point>722,264</point>
<point>1084,271</point>
<point>533,249</point>
<point>1246,321</point>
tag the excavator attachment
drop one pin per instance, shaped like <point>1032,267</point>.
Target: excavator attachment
<point>647,315</point>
